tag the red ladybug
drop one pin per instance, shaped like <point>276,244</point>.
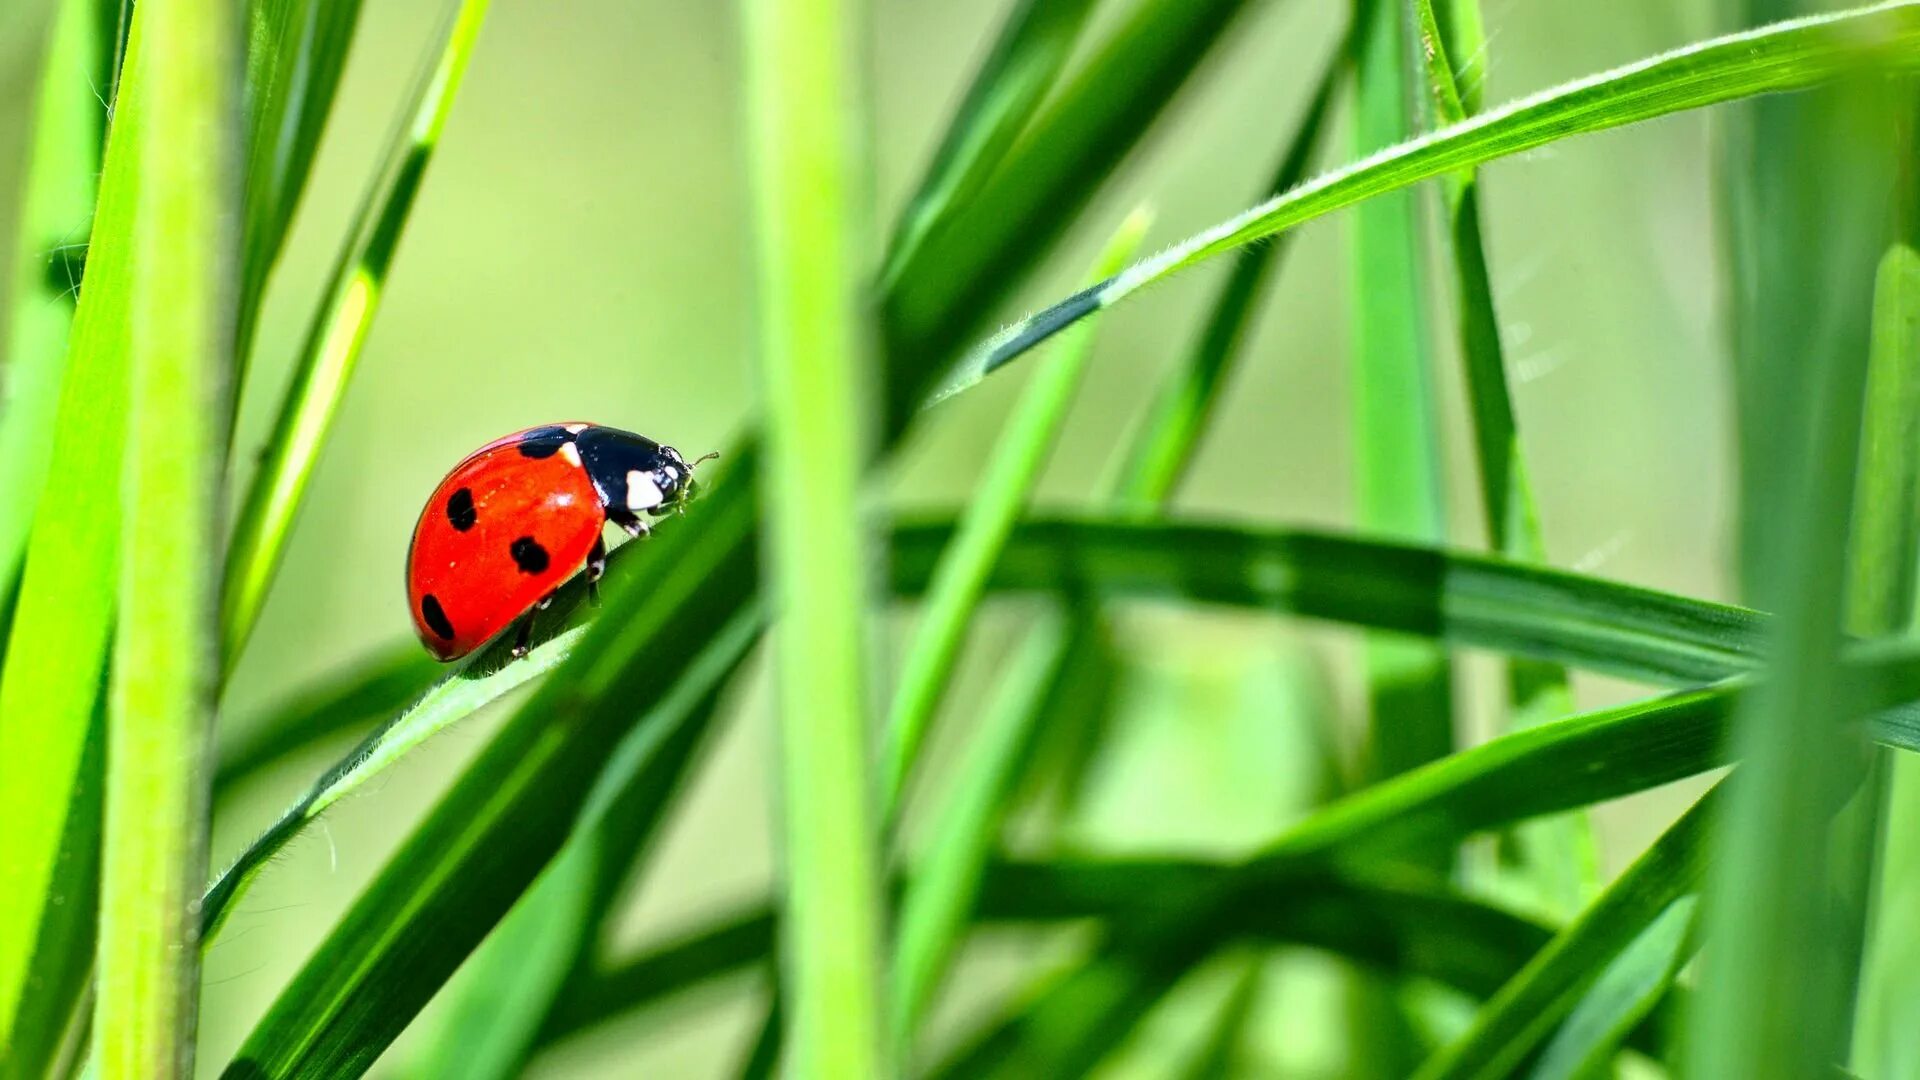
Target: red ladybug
<point>514,520</point>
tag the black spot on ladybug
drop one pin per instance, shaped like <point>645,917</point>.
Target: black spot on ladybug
<point>460,512</point>
<point>529,555</point>
<point>436,616</point>
<point>544,442</point>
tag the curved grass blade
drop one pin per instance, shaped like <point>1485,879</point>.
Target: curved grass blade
<point>1218,1055</point>
<point>508,987</point>
<point>379,686</point>
<point>1621,999</point>
<point>1541,770</point>
<point>57,649</point>
<point>477,684</point>
<point>1035,41</point>
<point>490,847</point>
<point>960,577</point>
<point>1515,1021</point>
<point>1164,448</point>
<point>1557,857</point>
<point>1777,1000</point>
<point>1408,925</point>
<point>507,816</point>
<point>296,50</point>
<point>336,337</point>
<point>1787,56</point>
<point>69,127</point>
<point>937,298</point>
<point>1466,599</point>
<point>160,715</point>
<point>805,146</point>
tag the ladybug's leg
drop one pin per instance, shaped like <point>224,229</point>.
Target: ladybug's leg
<point>523,632</point>
<point>596,566</point>
<point>629,521</point>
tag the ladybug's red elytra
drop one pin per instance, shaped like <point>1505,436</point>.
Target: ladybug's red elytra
<point>519,516</point>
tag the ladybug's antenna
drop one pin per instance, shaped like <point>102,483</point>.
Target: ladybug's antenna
<point>708,456</point>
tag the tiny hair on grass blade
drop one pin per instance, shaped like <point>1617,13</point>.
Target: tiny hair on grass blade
<point>1791,55</point>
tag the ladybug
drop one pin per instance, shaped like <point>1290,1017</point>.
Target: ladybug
<point>519,516</point>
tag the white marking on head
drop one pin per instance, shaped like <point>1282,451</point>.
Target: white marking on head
<point>576,428</point>
<point>571,453</point>
<point>642,492</point>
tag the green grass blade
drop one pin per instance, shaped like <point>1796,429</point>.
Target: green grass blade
<point>52,1020</point>
<point>1035,41</point>
<point>1464,599</point>
<point>935,905</point>
<point>62,623</point>
<point>1557,857</point>
<point>296,50</point>
<point>1776,1001</point>
<point>1163,449</point>
<point>1621,999</point>
<point>506,991</point>
<point>1408,925</point>
<point>803,119</point>
<point>507,816</point>
<point>380,685</point>
<point>1517,1019</point>
<point>477,684</point>
<point>939,297</point>
<point>68,129</point>
<point>960,578</point>
<point>1399,490</point>
<point>335,339</point>
<point>1787,56</point>
<point>160,719</point>
<point>1216,1057</point>
<point>1888,498</point>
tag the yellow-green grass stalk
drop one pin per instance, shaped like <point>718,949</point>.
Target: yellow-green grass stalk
<point>806,143</point>
<point>337,337</point>
<point>160,716</point>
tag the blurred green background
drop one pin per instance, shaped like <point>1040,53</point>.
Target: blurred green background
<point>580,252</point>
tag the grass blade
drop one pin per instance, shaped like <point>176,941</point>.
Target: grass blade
<point>1885,526</point>
<point>960,577</point>
<point>1407,925</point>
<point>56,653</point>
<point>380,685</point>
<point>1517,1019</point>
<point>508,988</point>
<point>1787,56</point>
<point>1621,999</point>
<point>1462,598</point>
<point>803,114</point>
<point>477,684</point>
<point>1395,431</point>
<point>68,129</point>
<point>1775,1001</point>
<point>1035,41</point>
<point>1558,857</point>
<point>1216,1056</point>
<point>160,720</point>
<point>940,296</point>
<point>335,339</point>
<point>507,816</point>
<point>296,52</point>
<point>1164,447</point>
